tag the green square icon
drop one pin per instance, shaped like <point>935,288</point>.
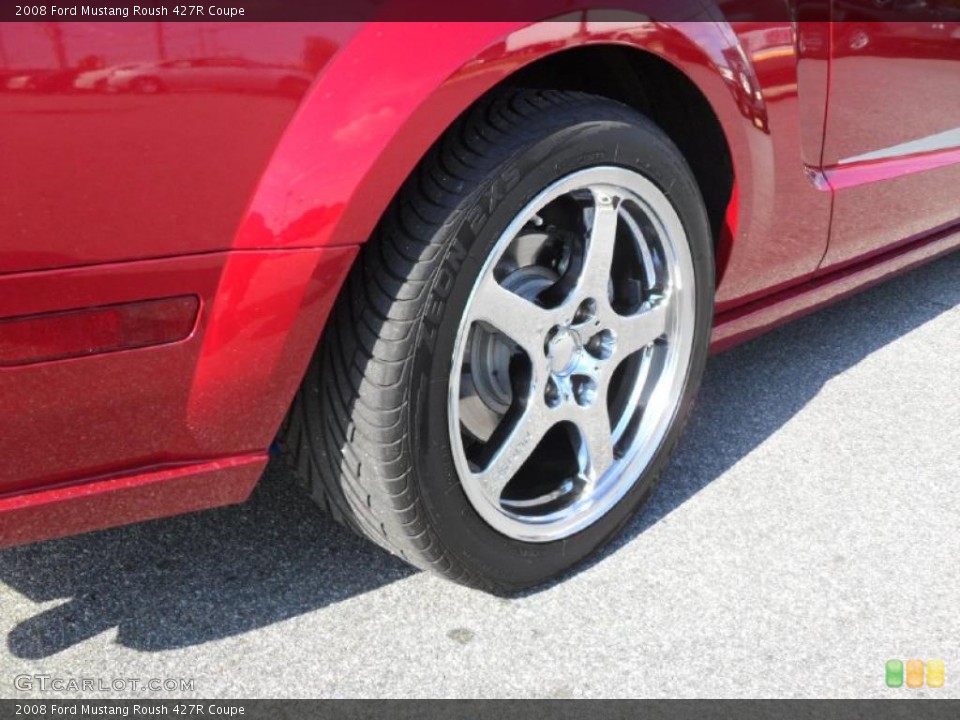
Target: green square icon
<point>894,673</point>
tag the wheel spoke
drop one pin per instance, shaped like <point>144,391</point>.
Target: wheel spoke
<point>641,329</point>
<point>519,319</point>
<point>603,234</point>
<point>596,441</point>
<point>512,451</point>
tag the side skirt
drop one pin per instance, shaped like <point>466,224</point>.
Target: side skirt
<point>742,323</point>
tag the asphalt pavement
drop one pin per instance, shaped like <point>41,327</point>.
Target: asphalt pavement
<point>807,531</point>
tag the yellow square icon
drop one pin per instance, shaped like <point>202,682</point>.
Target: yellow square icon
<point>935,672</point>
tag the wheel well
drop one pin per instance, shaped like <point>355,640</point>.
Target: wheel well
<point>658,90</point>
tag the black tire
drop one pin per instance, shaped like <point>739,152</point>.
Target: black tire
<point>368,430</point>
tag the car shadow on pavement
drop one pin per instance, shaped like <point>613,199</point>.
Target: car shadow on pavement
<point>187,580</point>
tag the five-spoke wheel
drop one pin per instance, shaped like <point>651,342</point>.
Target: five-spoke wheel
<point>571,353</point>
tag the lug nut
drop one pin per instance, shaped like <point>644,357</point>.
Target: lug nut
<point>551,393</point>
<point>586,312</point>
<point>585,391</point>
<point>602,345</point>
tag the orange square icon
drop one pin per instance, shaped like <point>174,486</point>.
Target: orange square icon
<point>914,673</point>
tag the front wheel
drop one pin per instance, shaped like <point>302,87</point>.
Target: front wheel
<point>515,354</point>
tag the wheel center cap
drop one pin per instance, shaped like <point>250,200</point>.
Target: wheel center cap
<point>563,352</point>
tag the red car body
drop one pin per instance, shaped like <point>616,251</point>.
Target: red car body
<point>240,206</point>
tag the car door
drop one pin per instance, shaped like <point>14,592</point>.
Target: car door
<point>892,141</point>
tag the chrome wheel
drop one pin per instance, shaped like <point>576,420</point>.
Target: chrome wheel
<point>572,354</point>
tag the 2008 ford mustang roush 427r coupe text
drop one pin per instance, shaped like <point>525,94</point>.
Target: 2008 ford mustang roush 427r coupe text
<point>464,277</point>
